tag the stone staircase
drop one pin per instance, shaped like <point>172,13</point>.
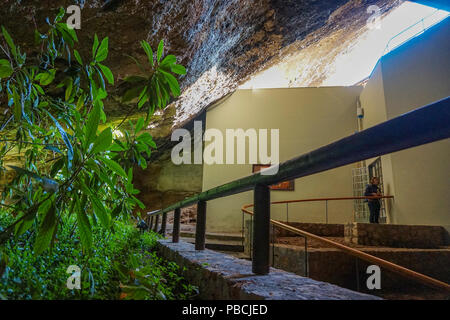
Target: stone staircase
<point>232,243</point>
<point>424,249</point>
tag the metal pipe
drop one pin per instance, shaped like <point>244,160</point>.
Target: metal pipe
<point>176,225</point>
<point>251,237</point>
<point>242,229</point>
<point>306,257</point>
<point>150,227</point>
<point>261,234</point>
<point>287,212</point>
<point>273,246</point>
<point>164,224</point>
<point>156,223</point>
<point>357,274</point>
<point>200,229</point>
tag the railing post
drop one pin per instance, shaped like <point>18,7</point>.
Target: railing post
<point>357,274</point>
<point>156,223</point>
<point>176,225</point>
<point>242,229</point>
<point>251,236</point>
<point>147,220</point>
<point>150,227</point>
<point>200,229</point>
<point>261,234</point>
<point>164,224</point>
<point>306,257</point>
<point>287,212</point>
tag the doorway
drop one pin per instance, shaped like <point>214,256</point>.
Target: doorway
<point>375,170</point>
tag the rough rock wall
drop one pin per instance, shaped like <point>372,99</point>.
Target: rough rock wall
<point>164,183</point>
<point>221,42</point>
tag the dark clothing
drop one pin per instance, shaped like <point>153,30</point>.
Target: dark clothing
<point>372,188</point>
<point>142,225</point>
<point>374,204</point>
<point>374,208</point>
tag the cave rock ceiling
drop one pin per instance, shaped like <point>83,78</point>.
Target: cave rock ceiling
<point>221,42</point>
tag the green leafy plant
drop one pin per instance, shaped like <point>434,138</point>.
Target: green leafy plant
<point>73,164</point>
<point>122,263</point>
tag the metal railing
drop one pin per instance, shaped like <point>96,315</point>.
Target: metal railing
<point>421,29</point>
<point>287,202</point>
<point>408,273</point>
<point>424,125</point>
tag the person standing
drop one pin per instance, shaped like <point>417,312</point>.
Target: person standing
<point>373,190</point>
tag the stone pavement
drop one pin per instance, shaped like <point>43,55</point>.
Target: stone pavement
<point>221,276</point>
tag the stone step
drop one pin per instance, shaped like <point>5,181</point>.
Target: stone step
<point>214,236</point>
<point>219,245</point>
<point>206,269</point>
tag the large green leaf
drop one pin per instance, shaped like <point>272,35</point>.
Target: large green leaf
<point>107,73</point>
<point>103,141</point>
<point>99,210</point>
<point>46,229</point>
<point>5,68</point>
<point>67,31</point>
<point>173,83</point>
<point>139,203</point>
<point>168,60</point>
<point>148,50</point>
<point>160,50</point>
<point>92,124</point>
<point>95,46</point>
<point>105,179</point>
<point>78,57</point>
<point>69,88</point>
<point>26,172</point>
<point>178,69</point>
<point>66,140</point>
<point>143,97</point>
<point>84,228</point>
<point>47,77</point>
<point>9,41</point>
<point>102,52</point>
<point>147,139</point>
<point>17,105</point>
<point>25,223</point>
<point>114,166</point>
<point>139,124</point>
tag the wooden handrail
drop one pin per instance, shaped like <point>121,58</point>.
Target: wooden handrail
<point>408,273</point>
<point>327,199</point>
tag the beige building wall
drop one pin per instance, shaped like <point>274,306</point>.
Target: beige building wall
<point>411,76</point>
<point>374,105</point>
<point>307,118</point>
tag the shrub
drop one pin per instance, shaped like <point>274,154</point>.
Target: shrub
<point>122,264</point>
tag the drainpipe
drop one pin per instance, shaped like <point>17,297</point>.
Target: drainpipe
<point>360,117</point>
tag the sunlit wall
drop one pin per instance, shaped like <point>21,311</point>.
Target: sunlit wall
<point>357,61</point>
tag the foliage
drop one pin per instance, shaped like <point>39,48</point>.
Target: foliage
<point>107,273</point>
<point>75,174</point>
